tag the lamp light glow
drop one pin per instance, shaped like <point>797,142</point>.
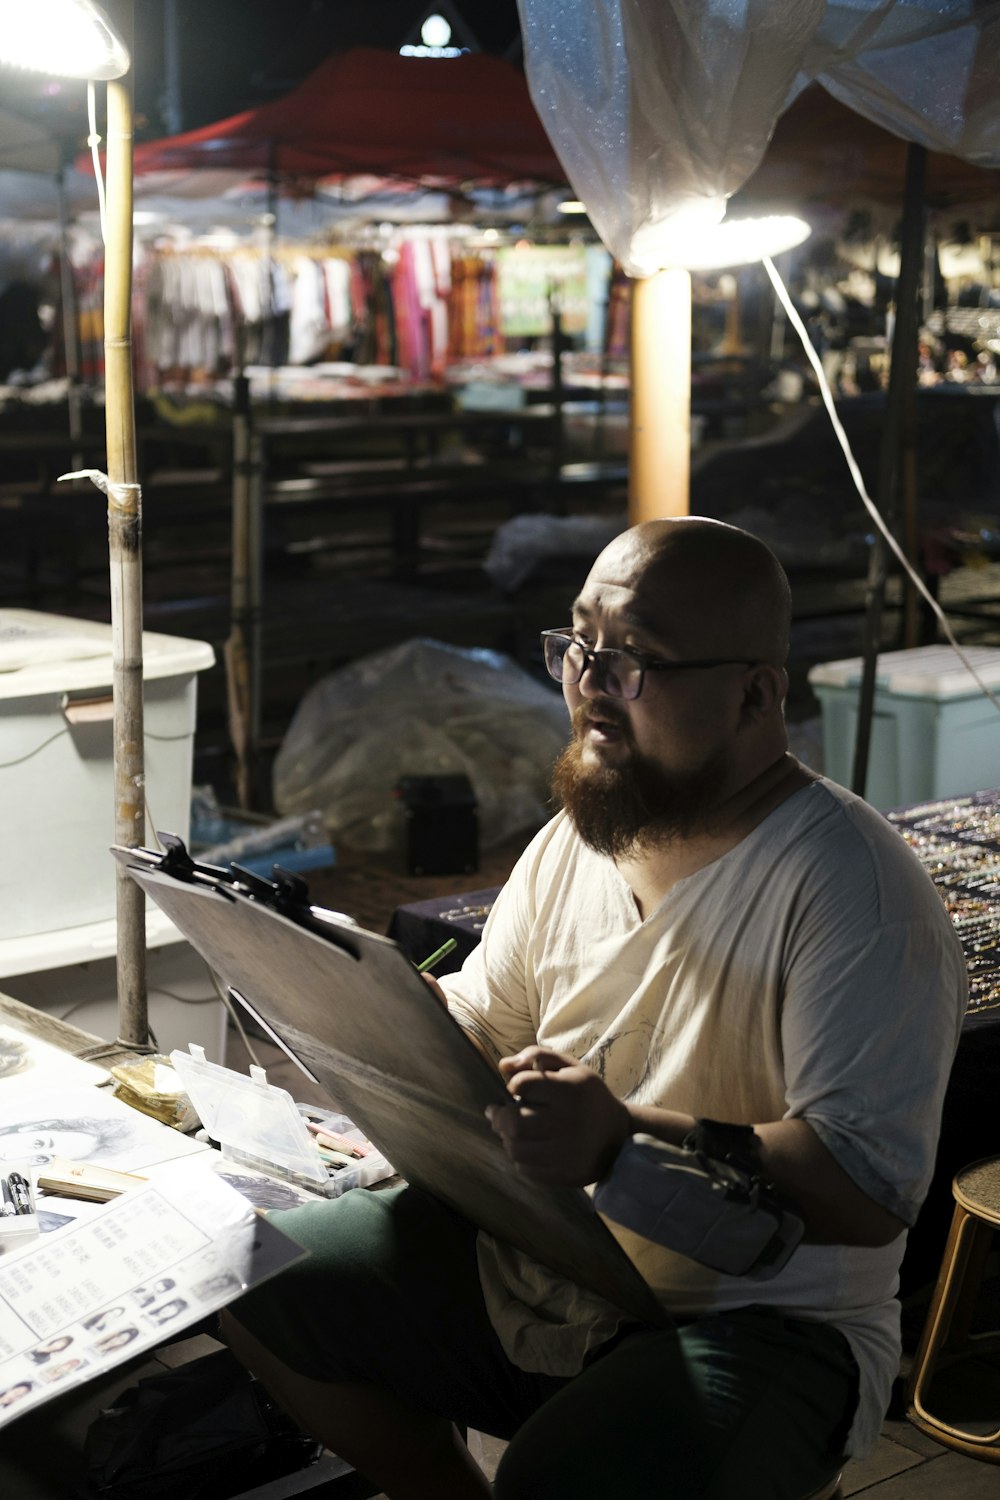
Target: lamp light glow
<point>435,32</point>
<point>571,206</point>
<point>67,38</point>
<point>698,238</point>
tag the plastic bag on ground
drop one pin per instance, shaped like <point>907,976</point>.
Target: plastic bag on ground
<point>421,709</point>
<point>521,543</point>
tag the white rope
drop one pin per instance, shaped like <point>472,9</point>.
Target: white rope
<point>121,496</point>
<point>93,141</point>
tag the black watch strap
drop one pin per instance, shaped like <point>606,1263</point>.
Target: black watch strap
<point>721,1141</point>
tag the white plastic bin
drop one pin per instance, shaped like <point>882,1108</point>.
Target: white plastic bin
<point>56,768</point>
<point>934,732</point>
<point>72,975</point>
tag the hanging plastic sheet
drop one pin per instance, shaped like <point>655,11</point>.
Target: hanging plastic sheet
<point>924,69</point>
<point>661,109</point>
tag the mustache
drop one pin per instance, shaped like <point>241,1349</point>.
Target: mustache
<point>592,712</point>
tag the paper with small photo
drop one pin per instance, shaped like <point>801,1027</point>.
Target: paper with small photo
<point>261,1190</point>
<point>116,1283</point>
<point>54,1212</point>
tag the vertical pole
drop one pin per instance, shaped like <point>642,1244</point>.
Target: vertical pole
<point>270,241</point>
<point>237,653</point>
<point>558,388</point>
<point>172,112</point>
<point>660,436</point>
<point>71,340</point>
<point>897,435</point>
<point>256,593</point>
<point>125,552</point>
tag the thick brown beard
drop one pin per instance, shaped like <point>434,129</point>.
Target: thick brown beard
<point>620,809</point>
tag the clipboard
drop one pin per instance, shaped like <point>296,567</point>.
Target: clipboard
<point>350,1007</point>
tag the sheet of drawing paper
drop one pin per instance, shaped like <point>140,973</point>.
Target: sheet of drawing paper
<point>85,1124</point>
<point>25,1058</point>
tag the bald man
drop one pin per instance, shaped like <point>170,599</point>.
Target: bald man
<point>707,937</point>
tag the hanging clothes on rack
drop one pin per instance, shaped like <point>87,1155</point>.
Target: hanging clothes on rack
<point>421,284</point>
<point>473,331</point>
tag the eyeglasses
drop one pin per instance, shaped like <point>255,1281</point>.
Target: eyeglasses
<point>617,673</point>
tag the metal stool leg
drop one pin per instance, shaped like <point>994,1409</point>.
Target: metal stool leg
<point>829,1491</point>
<point>946,1332</point>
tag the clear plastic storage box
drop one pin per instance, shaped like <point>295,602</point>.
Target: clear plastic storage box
<point>260,1126</point>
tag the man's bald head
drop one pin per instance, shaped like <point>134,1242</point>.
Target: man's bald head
<point>723,590</point>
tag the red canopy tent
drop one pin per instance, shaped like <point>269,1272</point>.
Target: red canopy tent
<point>367,111</point>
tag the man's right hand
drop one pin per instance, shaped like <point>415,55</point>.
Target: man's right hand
<point>563,1126</point>
<point>436,988</point>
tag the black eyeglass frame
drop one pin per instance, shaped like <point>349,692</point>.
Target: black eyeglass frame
<point>645,662</point>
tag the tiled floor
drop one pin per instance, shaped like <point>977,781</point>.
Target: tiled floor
<point>906,1465</point>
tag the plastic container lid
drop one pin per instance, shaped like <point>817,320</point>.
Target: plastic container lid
<point>923,672</point>
<point>42,653</point>
<point>253,1121</point>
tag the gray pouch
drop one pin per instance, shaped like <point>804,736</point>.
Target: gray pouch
<point>714,1212</point>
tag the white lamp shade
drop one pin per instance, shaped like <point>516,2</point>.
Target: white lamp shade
<point>64,38</point>
<point>700,239</point>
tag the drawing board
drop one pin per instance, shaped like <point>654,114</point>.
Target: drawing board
<point>352,1008</point>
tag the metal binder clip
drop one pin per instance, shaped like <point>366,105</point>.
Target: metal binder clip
<point>287,891</point>
<point>176,861</point>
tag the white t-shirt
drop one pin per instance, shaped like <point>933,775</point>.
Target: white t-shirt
<point>811,972</point>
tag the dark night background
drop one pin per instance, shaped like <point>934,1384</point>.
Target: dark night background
<point>238,53</point>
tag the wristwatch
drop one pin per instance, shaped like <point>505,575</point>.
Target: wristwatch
<point>720,1141</point>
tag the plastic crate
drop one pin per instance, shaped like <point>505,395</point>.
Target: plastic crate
<point>934,732</point>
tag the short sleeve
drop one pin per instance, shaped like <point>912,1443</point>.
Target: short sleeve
<point>492,996</point>
<point>870,1023</point>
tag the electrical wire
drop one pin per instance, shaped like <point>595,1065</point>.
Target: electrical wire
<point>158,989</point>
<point>856,475</point>
<point>220,990</point>
<point>20,759</point>
<point>161,739</point>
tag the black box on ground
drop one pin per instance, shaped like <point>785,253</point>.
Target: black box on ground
<point>441,824</point>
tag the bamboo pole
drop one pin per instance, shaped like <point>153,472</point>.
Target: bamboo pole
<point>125,553</point>
<point>660,427</point>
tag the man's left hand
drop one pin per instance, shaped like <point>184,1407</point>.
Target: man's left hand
<point>563,1126</point>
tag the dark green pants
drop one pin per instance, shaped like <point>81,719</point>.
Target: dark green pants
<point>750,1404</point>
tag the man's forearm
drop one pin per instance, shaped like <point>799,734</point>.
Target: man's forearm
<point>835,1210</point>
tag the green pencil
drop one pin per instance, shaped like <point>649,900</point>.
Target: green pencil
<point>437,955</point>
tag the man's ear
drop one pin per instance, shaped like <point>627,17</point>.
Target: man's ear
<point>764,692</point>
